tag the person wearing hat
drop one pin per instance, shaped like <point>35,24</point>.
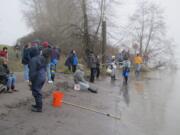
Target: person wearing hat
<point>37,75</point>
<point>80,80</point>
<point>46,45</point>
<point>34,50</point>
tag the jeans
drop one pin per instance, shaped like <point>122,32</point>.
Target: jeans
<point>26,72</point>
<point>11,81</point>
<point>49,72</point>
<point>84,85</point>
<point>138,70</point>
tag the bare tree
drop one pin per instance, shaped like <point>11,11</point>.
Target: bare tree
<point>68,23</point>
<point>148,28</point>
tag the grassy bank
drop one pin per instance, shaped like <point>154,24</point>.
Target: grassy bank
<point>15,64</point>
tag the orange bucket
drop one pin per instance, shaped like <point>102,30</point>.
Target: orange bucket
<point>57,98</point>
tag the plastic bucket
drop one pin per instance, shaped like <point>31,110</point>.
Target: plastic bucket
<point>57,98</point>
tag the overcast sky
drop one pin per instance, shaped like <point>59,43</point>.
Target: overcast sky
<point>12,25</point>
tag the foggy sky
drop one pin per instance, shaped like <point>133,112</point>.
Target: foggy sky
<point>12,24</point>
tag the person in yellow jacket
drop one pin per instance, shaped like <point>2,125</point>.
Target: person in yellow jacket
<point>138,60</point>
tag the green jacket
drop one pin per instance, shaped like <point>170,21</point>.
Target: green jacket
<point>2,68</point>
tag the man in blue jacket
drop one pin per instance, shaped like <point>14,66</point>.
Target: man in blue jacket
<point>74,61</point>
<point>37,75</point>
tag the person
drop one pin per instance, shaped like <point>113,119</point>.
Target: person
<point>113,68</point>
<point>92,64</point>
<point>4,53</point>
<point>120,58</point>
<point>138,62</point>
<point>46,45</point>
<point>25,60</point>
<point>74,61</point>
<point>68,62</point>
<point>37,75</point>
<point>53,69</point>
<point>34,50</point>
<point>3,76</point>
<point>97,66</point>
<point>11,78</point>
<point>79,79</point>
<point>55,56</point>
<point>126,69</point>
<point>17,50</point>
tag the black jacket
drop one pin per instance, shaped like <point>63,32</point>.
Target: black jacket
<point>26,56</point>
<point>37,68</point>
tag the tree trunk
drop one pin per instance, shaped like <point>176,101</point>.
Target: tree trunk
<point>103,41</point>
<point>86,31</point>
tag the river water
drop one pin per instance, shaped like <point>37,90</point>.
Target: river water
<point>152,104</point>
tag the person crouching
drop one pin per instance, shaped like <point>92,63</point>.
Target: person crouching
<point>79,79</point>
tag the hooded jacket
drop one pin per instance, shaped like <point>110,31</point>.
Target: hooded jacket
<point>79,75</point>
<point>37,66</point>
<point>34,51</point>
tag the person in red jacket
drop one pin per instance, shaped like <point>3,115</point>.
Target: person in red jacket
<point>4,53</point>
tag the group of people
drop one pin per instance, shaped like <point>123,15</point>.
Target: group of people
<point>34,49</point>
<point>72,61</point>
<point>40,61</point>
<point>126,64</point>
<point>93,63</point>
<point>78,70</point>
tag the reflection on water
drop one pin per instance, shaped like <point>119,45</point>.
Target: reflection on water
<point>172,110</point>
<point>139,86</point>
<point>125,92</point>
<point>154,108</point>
<point>149,106</point>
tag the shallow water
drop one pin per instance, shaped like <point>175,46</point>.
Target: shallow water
<point>153,104</point>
